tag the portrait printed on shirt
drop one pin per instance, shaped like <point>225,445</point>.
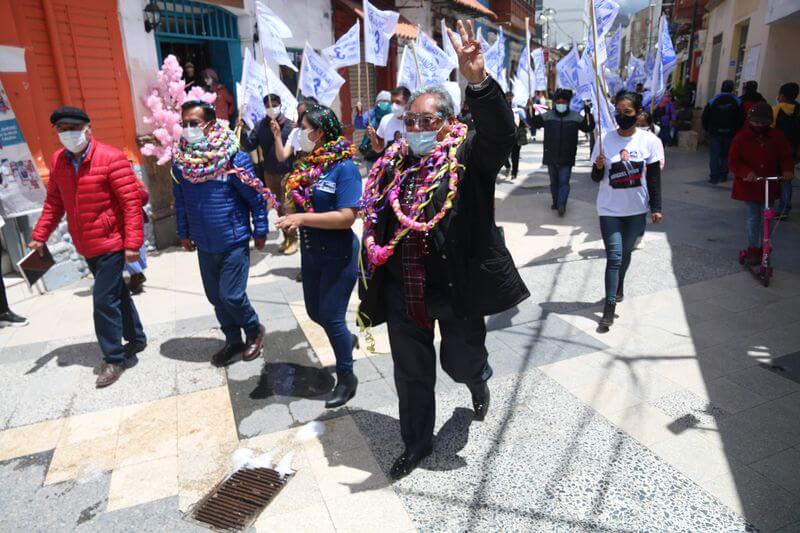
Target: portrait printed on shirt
<point>627,172</point>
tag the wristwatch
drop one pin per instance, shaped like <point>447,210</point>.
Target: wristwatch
<point>479,86</point>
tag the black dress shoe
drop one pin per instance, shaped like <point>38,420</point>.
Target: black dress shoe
<point>228,352</point>
<point>406,463</point>
<point>343,392</point>
<point>480,401</point>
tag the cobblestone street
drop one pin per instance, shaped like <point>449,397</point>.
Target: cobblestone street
<point>684,417</point>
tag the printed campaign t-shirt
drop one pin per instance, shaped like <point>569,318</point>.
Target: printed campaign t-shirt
<point>292,141</point>
<point>623,189</point>
<point>390,129</point>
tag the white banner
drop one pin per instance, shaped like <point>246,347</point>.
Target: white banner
<point>567,70</point>
<point>271,32</point>
<point>255,88</point>
<point>379,27</point>
<point>407,71</point>
<point>524,71</point>
<point>318,78</point>
<point>447,45</point>
<point>21,189</point>
<point>442,65</point>
<point>347,50</point>
<point>539,72</point>
<point>494,59</point>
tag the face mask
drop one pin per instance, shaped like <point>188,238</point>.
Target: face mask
<point>193,135</point>
<point>422,142</point>
<point>385,107</point>
<point>305,142</point>
<point>273,112</point>
<point>398,110</point>
<point>561,108</point>
<point>625,122</point>
<point>74,141</point>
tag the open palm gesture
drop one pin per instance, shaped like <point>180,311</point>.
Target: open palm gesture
<point>470,56</point>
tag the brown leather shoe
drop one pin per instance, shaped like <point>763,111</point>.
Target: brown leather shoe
<point>226,353</point>
<point>109,374</point>
<point>253,345</point>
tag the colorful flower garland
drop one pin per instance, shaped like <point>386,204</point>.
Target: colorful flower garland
<point>211,158</point>
<point>307,171</point>
<point>440,163</point>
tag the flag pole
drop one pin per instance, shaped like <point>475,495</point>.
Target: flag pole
<point>597,82</point>
<point>416,62</point>
<point>300,75</point>
<point>528,59</point>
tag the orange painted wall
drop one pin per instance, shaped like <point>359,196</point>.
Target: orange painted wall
<point>74,56</point>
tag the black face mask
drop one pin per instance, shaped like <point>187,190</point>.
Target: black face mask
<point>625,122</point>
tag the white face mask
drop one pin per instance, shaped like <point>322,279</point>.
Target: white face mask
<point>75,141</point>
<point>561,108</point>
<point>305,142</point>
<point>193,135</point>
<point>642,128</point>
<point>273,112</point>
<point>398,110</point>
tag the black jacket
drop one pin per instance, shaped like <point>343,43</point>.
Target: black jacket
<point>561,135</point>
<point>262,136</point>
<point>723,115</point>
<point>482,278</point>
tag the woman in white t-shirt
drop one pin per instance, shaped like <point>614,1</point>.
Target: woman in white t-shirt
<point>629,173</point>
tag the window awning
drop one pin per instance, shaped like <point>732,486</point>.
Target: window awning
<point>405,29</point>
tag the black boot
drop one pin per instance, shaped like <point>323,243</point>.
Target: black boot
<point>480,401</point>
<point>608,318</point>
<point>344,390</point>
<point>620,292</point>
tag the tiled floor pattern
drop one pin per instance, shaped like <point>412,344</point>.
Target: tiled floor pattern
<point>651,427</point>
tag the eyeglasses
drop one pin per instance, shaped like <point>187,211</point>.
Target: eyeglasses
<point>192,124</point>
<point>425,121</point>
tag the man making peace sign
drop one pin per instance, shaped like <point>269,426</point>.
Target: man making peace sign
<point>432,251</point>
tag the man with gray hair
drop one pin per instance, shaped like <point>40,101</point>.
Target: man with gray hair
<point>432,250</point>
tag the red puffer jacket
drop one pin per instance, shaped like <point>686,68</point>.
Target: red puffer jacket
<point>765,154</point>
<point>102,202</point>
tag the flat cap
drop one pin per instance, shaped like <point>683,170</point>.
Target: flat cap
<point>69,115</point>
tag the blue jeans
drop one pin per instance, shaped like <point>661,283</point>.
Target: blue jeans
<point>225,283</point>
<point>785,203</point>
<point>718,145</point>
<point>559,184</point>
<point>327,285</point>
<point>115,315</point>
<point>619,237</point>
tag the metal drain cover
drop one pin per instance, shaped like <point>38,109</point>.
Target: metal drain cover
<point>235,503</point>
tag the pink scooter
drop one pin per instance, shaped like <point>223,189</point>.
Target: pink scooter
<point>763,271</point>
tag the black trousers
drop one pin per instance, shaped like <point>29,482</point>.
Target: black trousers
<point>513,159</point>
<point>3,297</point>
<point>463,354</point>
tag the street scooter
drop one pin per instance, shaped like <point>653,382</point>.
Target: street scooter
<point>763,270</point>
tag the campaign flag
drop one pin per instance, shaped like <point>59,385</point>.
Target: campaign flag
<point>379,27</point>
<point>483,41</point>
<point>438,65</point>
<point>494,59</point>
<point>407,71</point>
<point>524,70</point>
<point>448,46</point>
<point>318,78</point>
<point>567,69</point>
<point>613,82</point>
<point>668,58</point>
<point>520,89</point>
<point>271,32</point>
<point>539,73</point>
<point>613,50</point>
<point>257,82</point>
<point>346,50</point>
<point>663,63</point>
<point>605,12</point>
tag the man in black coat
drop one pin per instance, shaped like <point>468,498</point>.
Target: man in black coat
<point>456,273</point>
<point>561,126</point>
<point>722,118</point>
<point>275,171</point>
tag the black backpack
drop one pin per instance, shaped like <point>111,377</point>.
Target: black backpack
<point>789,125</point>
<point>725,115</point>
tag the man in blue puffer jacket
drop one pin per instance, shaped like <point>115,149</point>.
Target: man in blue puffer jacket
<point>214,205</point>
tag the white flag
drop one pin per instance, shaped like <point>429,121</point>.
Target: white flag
<point>347,50</point>
<point>567,70</point>
<point>255,87</point>
<point>495,60</point>
<point>614,49</point>
<point>271,32</point>
<point>379,27</point>
<point>407,71</point>
<point>524,70</point>
<point>539,73</point>
<point>442,67</point>
<point>448,45</point>
<point>318,78</point>
<point>483,41</point>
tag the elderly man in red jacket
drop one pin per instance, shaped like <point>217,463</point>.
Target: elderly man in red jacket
<point>94,185</point>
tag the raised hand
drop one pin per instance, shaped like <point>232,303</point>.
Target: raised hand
<point>470,56</point>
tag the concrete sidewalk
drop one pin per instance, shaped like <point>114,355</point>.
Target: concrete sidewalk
<point>682,418</point>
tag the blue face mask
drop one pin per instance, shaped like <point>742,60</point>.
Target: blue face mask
<point>561,108</point>
<point>422,142</point>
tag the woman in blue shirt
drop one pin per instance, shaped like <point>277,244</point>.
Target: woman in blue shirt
<point>324,188</point>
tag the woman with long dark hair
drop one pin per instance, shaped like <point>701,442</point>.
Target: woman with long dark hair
<point>324,188</point>
<point>628,169</point>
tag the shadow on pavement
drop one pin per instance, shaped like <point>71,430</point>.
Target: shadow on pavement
<point>86,354</point>
<point>190,349</point>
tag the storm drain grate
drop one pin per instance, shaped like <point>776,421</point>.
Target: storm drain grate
<point>235,503</point>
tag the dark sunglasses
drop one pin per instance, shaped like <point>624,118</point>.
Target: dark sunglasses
<point>425,121</point>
